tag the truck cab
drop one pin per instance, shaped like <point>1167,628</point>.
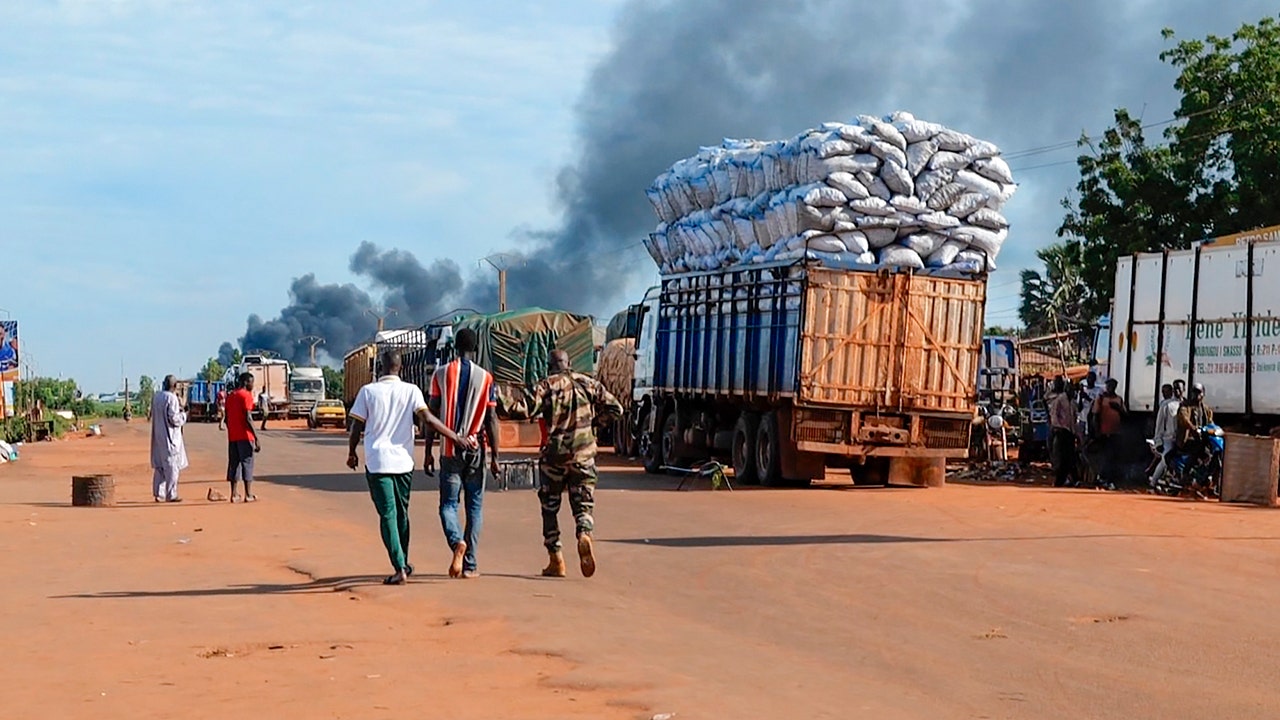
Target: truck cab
<point>306,388</point>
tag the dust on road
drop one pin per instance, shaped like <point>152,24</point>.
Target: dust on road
<point>963,602</point>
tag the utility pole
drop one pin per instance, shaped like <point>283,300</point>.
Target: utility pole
<point>502,262</point>
<point>382,319</point>
<point>314,340</point>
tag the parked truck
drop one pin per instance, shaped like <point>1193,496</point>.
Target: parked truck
<point>306,388</point>
<point>270,375</point>
<point>790,368</point>
<point>1209,315</point>
<point>202,400</point>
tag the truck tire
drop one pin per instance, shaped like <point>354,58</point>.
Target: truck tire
<point>652,450</point>
<point>668,441</point>
<point>744,449</point>
<point>768,452</point>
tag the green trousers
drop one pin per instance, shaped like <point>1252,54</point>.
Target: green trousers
<point>390,495</point>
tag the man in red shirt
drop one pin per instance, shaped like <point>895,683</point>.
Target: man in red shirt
<point>242,441</point>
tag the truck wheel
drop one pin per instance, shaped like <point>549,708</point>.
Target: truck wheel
<point>651,446</point>
<point>667,442</point>
<point>768,458</point>
<point>744,449</point>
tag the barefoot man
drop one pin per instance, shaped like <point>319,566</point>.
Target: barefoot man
<point>464,396</point>
<point>568,403</point>
<point>385,412</point>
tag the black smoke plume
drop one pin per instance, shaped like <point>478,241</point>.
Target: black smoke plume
<point>684,74</point>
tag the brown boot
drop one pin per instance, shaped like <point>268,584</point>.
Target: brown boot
<point>586,555</point>
<point>555,566</point>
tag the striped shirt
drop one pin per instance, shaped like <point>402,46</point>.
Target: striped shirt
<point>465,392</point>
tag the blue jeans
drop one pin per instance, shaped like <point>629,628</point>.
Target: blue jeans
<point>457,480</point>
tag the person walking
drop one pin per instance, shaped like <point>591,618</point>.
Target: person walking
<point>385,412</point>
<point>569,402</point>
<point>242,441</point>
<point>264,406</point>
<point>464,396</point>
<point>168,451</point>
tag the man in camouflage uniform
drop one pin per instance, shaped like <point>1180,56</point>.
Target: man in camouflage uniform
<point>568,402</point>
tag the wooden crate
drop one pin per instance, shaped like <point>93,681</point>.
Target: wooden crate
<point>1250,469</point>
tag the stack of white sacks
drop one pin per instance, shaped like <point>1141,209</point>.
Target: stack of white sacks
<point>896,192</point>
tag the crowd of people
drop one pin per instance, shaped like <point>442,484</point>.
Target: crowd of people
<point>1086,421</point>
<point>462,410</point>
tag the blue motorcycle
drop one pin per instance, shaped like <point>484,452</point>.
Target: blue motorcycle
<point>1195,470</point>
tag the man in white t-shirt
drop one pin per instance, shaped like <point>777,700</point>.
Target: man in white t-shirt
<point>385,412</point>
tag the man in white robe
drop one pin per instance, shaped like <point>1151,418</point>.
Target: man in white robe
<point>168,452</point>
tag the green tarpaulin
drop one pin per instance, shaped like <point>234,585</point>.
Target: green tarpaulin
<point>515,345</point>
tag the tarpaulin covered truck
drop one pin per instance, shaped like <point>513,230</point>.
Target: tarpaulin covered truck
<point>1209,315</point>
<point>789,368</point>
<point>513,345</point>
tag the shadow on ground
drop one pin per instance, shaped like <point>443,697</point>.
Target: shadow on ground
<point>320,585</point>
<point>861,539</point>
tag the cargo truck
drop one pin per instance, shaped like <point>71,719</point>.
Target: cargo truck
<point>202,400</point>
<point>787,369</point>
<point>270,375</point>
<point>306,388</point>
<point>1209,315</point>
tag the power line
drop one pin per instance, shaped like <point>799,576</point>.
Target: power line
<point>1067,144</point>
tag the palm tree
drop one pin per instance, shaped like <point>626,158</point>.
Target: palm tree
<point>1054,301</point>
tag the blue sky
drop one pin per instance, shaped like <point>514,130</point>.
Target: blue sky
<point>168,167</point>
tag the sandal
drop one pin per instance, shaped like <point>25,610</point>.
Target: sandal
<point>408,570</point>
<point>396,579</point>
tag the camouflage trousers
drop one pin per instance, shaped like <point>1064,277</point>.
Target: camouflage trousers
<point>579,479</point>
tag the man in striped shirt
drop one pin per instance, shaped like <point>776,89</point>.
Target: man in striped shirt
<point>463,396</point>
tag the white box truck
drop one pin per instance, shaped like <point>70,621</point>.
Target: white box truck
<point>1209,315</point>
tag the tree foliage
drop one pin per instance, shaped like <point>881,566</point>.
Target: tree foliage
<point>333,383</point>
<point>212,370</point>
<point>1053,299</point>
<point>146,390</point>
<point>1214,173</point>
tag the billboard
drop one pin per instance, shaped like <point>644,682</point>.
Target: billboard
<point>8,365</point>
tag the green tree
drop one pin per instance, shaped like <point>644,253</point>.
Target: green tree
<point>1058,298</point>
<point>54,393</point>
<point>1214,173</point>
<point>146,390</point>
<point>1228,146</point>
<point>333,383</point>
<point>212,371</point>
<point>1001,331</point>
<point>1128,200</point>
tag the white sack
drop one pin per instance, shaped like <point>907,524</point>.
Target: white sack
<point>931,181</point>
<point>898,256</point>
<point>994,168</point>
<point>945,160</point>
<point>945,254</point>
<point>825,196</point>
<point>879,237</point>
<point>923,243</point>
<point>966,205</point>
<point>847,184</point>
<point>909,204</point>
<point>855,241</point>
<point>871,206</point>
<point>977,183</point>
<point>938,221</point>
<point>919,154</point>
<point>988,218</point>
<point>888,151</point>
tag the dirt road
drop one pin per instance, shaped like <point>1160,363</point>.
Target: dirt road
<point>963,602</point>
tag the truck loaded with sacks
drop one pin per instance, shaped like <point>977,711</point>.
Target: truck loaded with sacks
<point>821,303</point>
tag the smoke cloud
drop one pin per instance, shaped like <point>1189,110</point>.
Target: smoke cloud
<point>680,75</point>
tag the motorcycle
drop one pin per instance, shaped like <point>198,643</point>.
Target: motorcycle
<point>1197,473</point>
